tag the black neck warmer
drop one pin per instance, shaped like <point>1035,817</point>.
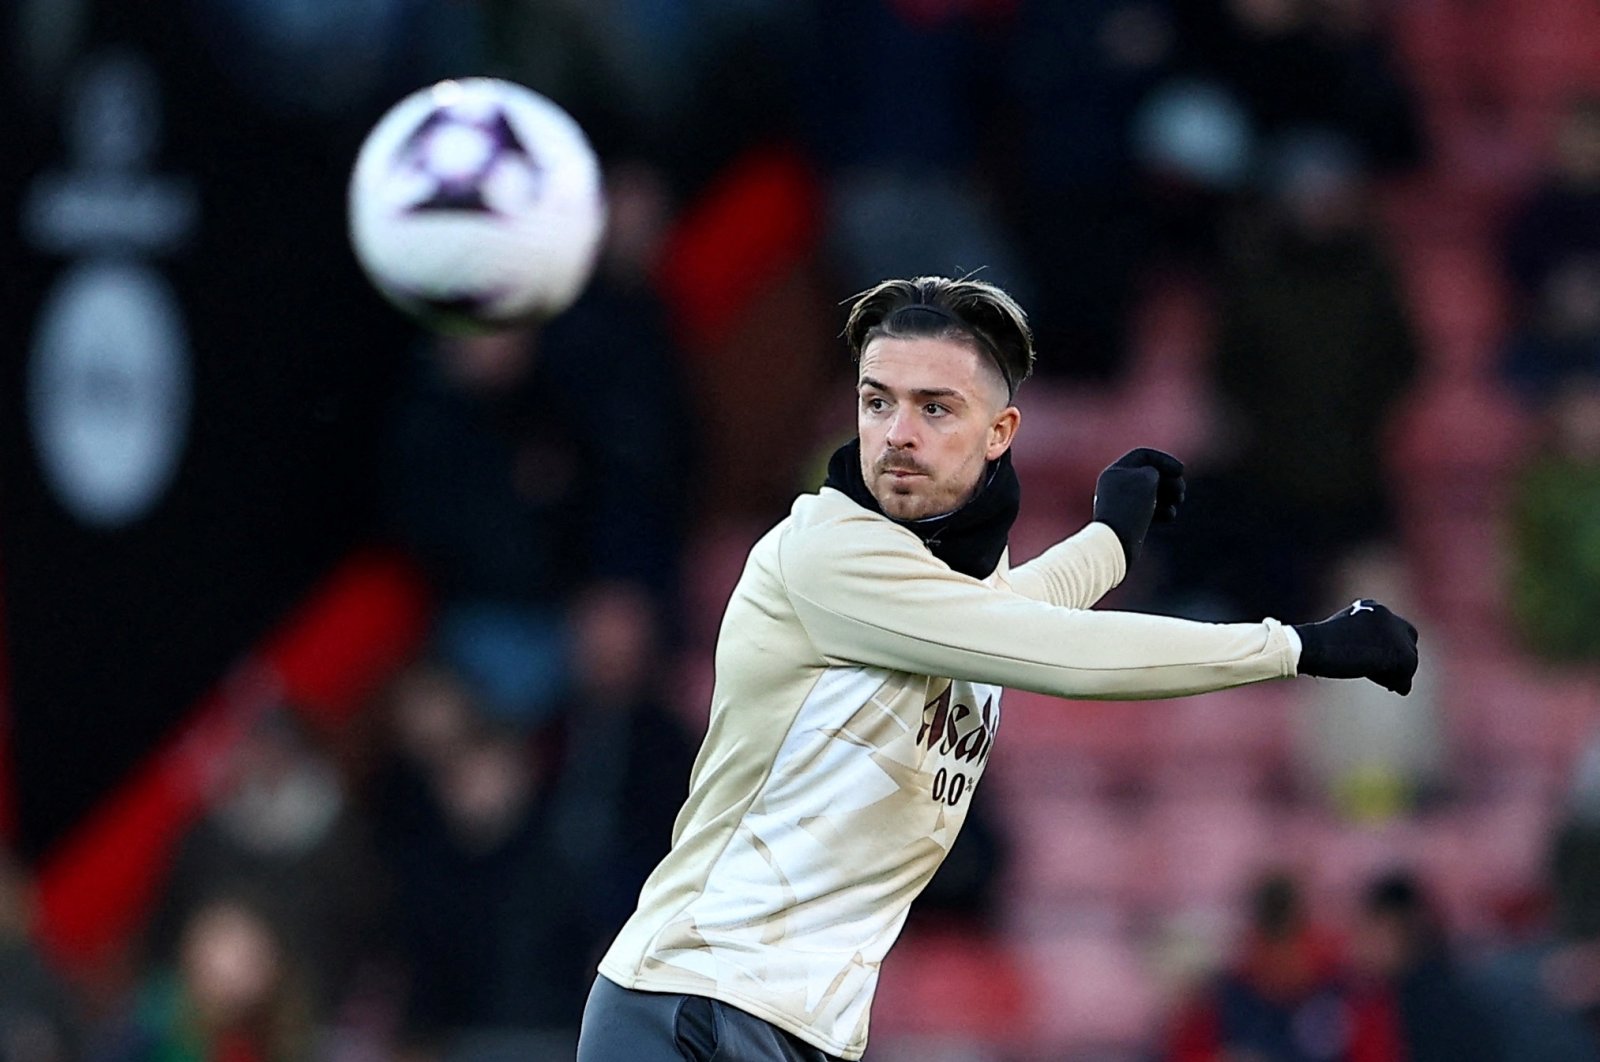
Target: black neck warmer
<point>970,539</point>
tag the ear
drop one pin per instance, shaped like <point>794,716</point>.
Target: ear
<point>1002,431</point>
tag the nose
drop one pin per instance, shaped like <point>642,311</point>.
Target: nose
<point>902,433</point>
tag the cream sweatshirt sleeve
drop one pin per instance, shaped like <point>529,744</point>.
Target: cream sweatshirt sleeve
<point>868,593</point>
<point>1075,572</point>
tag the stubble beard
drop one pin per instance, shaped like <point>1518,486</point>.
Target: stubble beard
<point>915,499</point>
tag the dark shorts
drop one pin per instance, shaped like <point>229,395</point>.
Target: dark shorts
<point>621,1025</point>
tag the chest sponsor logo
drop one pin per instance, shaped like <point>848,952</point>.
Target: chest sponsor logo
<point>958,730</point>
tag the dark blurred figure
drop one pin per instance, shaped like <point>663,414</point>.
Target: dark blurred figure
<point>1575,859</point>
<point>512,861</point>
<point>1543,994</point>
<point>1245,82</point>
<point>1553,361</point>
<point>1315,346</point>
<point>489,916</point>
<point>1076,72</point>
<point>426,716</point>
<point>605,782</point>
<point>233,994</point>
<point>1556,348</point>
<point>1552,257</point>
<point>1195,150</point>
<point>1285,999</point>
<point>1558,229</point>
<point>39,1018</point>
<point>539,474</point>
<point>624,767</point>
<point>894,96</point>
<point>1400,953</point>
<point>1307,63</point>
<point>687,85</point>
<point>281,834</point>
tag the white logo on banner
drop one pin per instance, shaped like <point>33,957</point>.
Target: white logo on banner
<point>108,390</point>
<point>109,377</point>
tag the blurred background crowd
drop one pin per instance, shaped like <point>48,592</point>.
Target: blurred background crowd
<point>352,676</point>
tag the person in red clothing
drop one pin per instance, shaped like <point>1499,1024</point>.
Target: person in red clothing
<point>1410,978</point>
<point>1286,998</point>
<point>234,996</point>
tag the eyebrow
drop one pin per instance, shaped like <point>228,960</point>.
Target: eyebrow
<point>920,392</point>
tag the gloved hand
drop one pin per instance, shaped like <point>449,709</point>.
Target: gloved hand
<point>1362,640</point>
<point>1140,486</point>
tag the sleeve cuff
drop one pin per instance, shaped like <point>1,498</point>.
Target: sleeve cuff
<point>1294,647</point>
<point>1113,547</point>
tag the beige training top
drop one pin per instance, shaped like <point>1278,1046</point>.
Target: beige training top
<point>857,697</point>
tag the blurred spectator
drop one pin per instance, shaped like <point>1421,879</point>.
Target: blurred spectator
<point>513,863</point>
<point>1575,863</point>
<point>1195,148</point>
<point>1076,73</point>
<point>597,792</point>
<point>489,916</point>
<point>1399,951</point>
<point>1306,63</point>
<point>1315,346</point>
<point>625,763</point>
<point>686,84</point>
<point>1556,349</point>
<point>1553,360</point>
<point>428,715</point>
<point>39,1018</point>
<point>1558,229</point>
<point>894,103</point>
<point>1285,999</point>
<point>538,469</point>
<point>336,61</point>
<point>564,51</point>
<point>281,834</point>
<point>1555,554</point>
<point>234,994</point>
<point>1543,995</point>
<point>1552,256</point>
<point>1247,80</point>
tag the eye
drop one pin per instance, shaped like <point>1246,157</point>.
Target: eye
<point>874,404</point>
<point>934,409</point>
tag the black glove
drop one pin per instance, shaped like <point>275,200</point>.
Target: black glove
<point>1140,486</point>
<point>1361,640</point>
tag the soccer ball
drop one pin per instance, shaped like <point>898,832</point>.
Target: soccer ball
<point>477,204</point>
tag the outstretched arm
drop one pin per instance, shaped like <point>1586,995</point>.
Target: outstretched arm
<point>868,592</point>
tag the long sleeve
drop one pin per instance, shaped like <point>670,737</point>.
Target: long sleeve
<point>1075,572</point>
<point>868,593</point>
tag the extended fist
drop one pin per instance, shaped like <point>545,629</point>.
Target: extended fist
<point>1362,640</point>
<point>1140,486</point>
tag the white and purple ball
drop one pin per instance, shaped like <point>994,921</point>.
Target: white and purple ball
<point>477,204</point>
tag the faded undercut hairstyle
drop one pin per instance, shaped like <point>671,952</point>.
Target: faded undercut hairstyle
<point>941,308</point>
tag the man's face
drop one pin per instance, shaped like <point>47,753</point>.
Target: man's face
<point>931,413</point>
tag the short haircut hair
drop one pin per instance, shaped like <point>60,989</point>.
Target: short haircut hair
<point>942,308</point>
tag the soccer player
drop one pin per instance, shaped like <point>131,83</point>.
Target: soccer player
<point>858,686</point>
